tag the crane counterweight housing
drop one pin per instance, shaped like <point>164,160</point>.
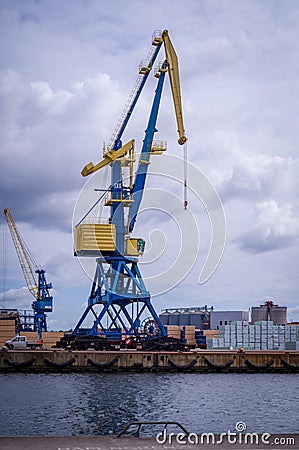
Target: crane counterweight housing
<point>119,300</point>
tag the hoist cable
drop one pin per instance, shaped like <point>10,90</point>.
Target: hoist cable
<point>185,176</point>
<point>4,263</point>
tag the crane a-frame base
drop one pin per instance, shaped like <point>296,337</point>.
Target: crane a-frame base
<point>119,292</point>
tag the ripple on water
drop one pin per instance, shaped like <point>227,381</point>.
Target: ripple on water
<point>93,404</point>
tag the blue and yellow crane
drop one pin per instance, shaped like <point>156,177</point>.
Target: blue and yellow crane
<point>39,288</point>
<point>118,290</point>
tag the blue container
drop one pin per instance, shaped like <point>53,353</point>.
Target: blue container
<point>201,340</point>
<point>198,333</point>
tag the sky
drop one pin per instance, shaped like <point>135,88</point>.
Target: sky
<point>66,71</point>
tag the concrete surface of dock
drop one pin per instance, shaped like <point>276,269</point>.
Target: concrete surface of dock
<point>130,443</point>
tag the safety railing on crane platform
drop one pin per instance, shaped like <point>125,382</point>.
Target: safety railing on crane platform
<point>118,197</point>
<point>158,147</point>
<point>96,220</point>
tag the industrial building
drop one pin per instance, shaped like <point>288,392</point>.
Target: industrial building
<point>218,318</point>
<point>269,312</point>
<point>202,317</point>
<point>205,318</point>
<point>198,316</point>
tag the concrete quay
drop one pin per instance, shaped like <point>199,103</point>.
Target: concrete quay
<point>130,443</point>
<point>56,360</point>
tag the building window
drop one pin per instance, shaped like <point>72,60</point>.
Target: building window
<point>220,322</point>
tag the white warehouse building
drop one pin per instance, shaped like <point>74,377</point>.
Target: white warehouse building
<point>218,318</point>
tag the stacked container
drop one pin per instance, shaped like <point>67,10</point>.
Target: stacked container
<point>188,335</point>
<point>201,340</point>
<point>263,335</point>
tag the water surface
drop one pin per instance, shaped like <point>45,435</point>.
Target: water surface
<point>92,404</point>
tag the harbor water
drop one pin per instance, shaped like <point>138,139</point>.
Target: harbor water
<point>101,404</point>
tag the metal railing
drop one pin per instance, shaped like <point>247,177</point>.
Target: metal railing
<point>140,424</point>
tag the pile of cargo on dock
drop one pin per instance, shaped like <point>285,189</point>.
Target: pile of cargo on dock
<point>262,335</point>
<point>7,328</point>
<point>189,335</point>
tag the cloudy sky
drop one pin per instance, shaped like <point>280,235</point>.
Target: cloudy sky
<point>66,70</point>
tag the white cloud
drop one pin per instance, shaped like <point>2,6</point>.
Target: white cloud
<point>16,298</point>
<point>47,100</point>
<point>276,227</point>
<point>46,134</point>
<point>218,53</point>
<point>64,268</point>
<point>258,173</point>
<point>293,313</point>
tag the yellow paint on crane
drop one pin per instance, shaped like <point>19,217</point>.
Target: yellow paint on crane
<point>173,70</point>
<point>93,238</point>
<point>25,258</point>
<point>135,246</point>
<point>109,157</point>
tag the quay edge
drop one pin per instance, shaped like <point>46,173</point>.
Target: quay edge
<point>197,361</point>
